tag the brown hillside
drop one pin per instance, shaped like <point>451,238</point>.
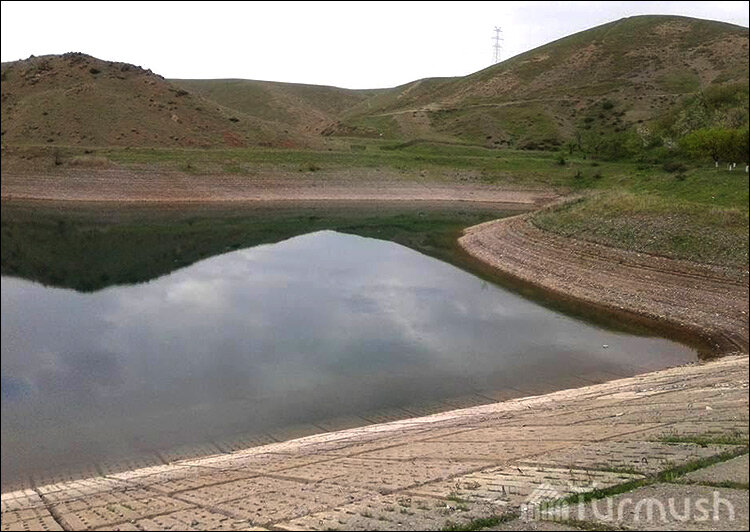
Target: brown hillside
<point>76,99</point>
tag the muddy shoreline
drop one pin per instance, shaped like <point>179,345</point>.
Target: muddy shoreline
<point>163,187</point>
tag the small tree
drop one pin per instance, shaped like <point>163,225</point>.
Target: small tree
<point>739,145</point>
<point>704,143</point>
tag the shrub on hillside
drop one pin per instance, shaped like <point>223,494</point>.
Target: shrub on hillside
<point>89,161</point>
<point>613,147</point>
<point>718,96</point>
<point>310,167</point>
<point>674,166</point>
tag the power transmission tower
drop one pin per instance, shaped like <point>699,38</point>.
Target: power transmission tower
<point>497,46</point>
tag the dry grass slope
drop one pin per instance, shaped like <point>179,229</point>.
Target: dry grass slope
<point>307,109</point>
<point>76,99</point>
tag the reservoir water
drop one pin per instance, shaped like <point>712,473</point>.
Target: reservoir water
<point>317,327</point>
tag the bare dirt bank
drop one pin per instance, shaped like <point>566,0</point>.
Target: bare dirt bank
<point>116,184</point>
<point>709,301</point>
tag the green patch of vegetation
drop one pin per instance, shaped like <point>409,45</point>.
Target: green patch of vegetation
<point>672,474</point>
<point>669,475</point>
<point>723,96</point>
<point>715,108</point>
<point>595,494</point>
<point>526,126</point>
<point>594,526</point>
<point>310,167</point>
<point>680,82</point>
<point>654,224</point>
<point>480,523</point>
<point>732,145</point>
<point>454,497</point>
<point>407,161</point>
<point>728,484</point>
<point>378,126</point>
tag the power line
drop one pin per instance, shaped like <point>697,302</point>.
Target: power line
<point>498,38</point>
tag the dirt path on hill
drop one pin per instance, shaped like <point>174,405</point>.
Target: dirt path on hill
<point>495,105</point>
<point>710,301</point>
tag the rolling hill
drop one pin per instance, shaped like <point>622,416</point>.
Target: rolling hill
<point>76,99</point>
<point>650,77</point>
<point>607,79</point>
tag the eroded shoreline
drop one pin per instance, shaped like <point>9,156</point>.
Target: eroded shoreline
<point>704,300</point>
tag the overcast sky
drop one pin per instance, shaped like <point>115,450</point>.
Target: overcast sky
<point>346,44</point>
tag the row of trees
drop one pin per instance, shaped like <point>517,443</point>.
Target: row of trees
<point>717,144</point>
<point>727,145</point>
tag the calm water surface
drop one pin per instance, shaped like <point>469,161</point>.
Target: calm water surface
<point>315,327</point>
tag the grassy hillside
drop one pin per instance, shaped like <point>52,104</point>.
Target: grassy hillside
<point>623,76</point>
<point>306,108</point>
<point>76,99</point>
<point>655,224</point>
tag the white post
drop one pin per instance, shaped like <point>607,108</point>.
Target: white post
<point>716,164</point>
